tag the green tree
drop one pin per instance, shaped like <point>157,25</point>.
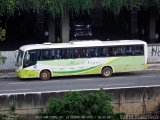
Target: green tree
<point>2,34</point>
<point>2,38</point>
<point>56,7</point>
<point>76,105</point>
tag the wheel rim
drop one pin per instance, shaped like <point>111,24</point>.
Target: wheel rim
<point>107,72</point>
<point>44,75</point>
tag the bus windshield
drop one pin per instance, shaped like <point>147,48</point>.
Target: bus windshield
<point>19,58</point>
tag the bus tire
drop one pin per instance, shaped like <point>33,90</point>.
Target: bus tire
<point>107,72</point>
<point>45,75</point>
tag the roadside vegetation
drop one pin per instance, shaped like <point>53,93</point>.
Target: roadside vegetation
<point>12,115</point>
<point>2,38</point>
<point>78,106</point>
<point>57,7</point>
<point>74,106</point>
<point>2,34</point>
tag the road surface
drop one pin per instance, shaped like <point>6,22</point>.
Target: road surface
<point>123,80</point>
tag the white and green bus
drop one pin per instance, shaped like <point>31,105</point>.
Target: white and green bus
<point>81,58</point>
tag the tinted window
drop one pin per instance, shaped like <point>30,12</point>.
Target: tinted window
<point>58,54</point>
<point>134,50</point>
<point>126,50</point>
<point>70,53</point>
<point>30,58</point>
<point>96,52</point>
<point>85,52</point>
<point>46,54</point>
<point>116,51</point>
<point>139,50</point>
<point>77,53</point>
<point>52,54</point>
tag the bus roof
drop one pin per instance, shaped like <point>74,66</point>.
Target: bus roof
<point>82,43</point>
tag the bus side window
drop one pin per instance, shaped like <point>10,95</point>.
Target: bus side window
<point>77,53</point>
<point>139,50</point>
<point>88,52</point>
<point>52,54</point>
<point>64,54</point>
<point>105,52</point>
<point>85,52</point>
<point>33,56</point>
<point>120,51</point>
<point>58,54</point>
<point>30,58</point>
<point>92,52</point>
<point>111,51</point>
<point>128,50</point>
<point>96,52</point>
<point>46,55</point>
<point>69,53</point>
<point>39,55</point>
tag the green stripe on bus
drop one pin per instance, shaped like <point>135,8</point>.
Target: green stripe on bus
<point>96,68</point>
<point>75,71</point>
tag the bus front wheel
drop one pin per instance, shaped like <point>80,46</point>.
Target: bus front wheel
<point>107,72</point>
<point>45,75</point>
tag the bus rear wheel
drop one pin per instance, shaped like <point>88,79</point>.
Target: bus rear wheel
<point>45,75</point>
<point>107,72</point>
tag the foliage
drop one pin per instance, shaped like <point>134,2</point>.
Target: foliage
<point>2,116</point>
<point>113,5</point>
<point>2,34</point>
<point>80,5</point>
<point>3,59</point>
<point>157,4</point>
<point>75,104</point>
<point>2,38</point>
<point>10,117</point>
<point>57,7</point>
<point>135,3</point>
<point>12,107</point>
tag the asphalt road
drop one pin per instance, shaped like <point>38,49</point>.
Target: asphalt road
<point>123,80</point>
